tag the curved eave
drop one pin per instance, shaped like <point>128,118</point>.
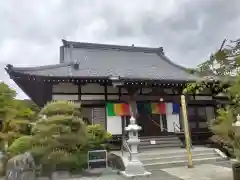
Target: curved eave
<point>16,73</point>
<point>28,73</point>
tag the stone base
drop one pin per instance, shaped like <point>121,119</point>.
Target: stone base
<point>134,169</point>
<point>146,173</point>
<point>60,175</point>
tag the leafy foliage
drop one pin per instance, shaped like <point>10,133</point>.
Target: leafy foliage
<point>219,71</point>
<point>223,66</point>
<point>15,116</point>
<point>97,137</point>
<point>20,145</point>
<point>31,105</point>
<point>224,62</point>
<point>59,135</point>
<point>225,118</point>
<point>7,96</point>
<point>60,139</point>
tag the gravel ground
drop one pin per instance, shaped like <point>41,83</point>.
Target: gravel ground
<point>215,171</point>
<point>224,164</point>
<point>156,175</point>
<point>202,172</point>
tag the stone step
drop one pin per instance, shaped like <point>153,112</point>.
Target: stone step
<point>152,137</point>
<point>160,139</point>
<point>160,142</point>
<point>152,146</point>
<point>162,165</point>
<point>177,158</point>
<point>175,141</point>
<point>148,154</point>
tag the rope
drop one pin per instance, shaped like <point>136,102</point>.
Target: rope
<point>156,123</point>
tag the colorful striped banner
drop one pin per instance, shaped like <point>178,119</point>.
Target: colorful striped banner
<point>155,108</point>
<point>158,108</point>
<point>151,108</point>
<point>118,109</point>
<point>162,108</point>
<point>122,109</point>
<point>176,108</point>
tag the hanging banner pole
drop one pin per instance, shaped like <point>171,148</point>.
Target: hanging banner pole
<point>186,131</point>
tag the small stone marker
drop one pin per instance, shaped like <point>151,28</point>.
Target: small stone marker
<point>152,142</point>
<point>97,159</point>
<point>21,167</point>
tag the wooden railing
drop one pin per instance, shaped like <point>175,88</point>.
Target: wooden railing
<point>125,146</point>
<point>176,127</point>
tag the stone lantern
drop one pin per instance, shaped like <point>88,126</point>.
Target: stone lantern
<point>134,167</point>
<point>237,123</point>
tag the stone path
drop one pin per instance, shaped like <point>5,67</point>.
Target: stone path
<point>202,172</point>
<point>157,175</point>
<point>216,171</point>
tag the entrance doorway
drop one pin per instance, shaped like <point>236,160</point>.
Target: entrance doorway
<point>152,125</point>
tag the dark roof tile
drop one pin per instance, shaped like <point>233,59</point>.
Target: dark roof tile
<point>98,60</point>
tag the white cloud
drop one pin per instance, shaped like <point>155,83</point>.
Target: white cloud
<point>31,31</point>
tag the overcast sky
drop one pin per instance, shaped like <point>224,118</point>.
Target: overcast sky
<point>189,30</point>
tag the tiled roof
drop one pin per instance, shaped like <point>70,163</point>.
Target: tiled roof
<point>127,62</point>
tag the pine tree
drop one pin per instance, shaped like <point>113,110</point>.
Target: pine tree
<point>14,116</point>
<point>225,65</point>
<point>60,135</point>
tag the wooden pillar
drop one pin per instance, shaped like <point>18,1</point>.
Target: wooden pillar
<point>186,131</point>
<point>133,91</point>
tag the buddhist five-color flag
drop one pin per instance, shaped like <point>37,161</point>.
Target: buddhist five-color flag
<point>118,109</point>
<point>155,108</point>
<point>158,108</point>
<point>176,108</point>
<point>122,109</point>
<point>151,108</point>
<point>144,108</point>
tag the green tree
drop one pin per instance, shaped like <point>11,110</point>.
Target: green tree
<point>219,71</point>
<point>14,116</point>
<point>223,66</point>
<point>60,135</point>
<point>31,105</point>
<point>7,112</point>
<point>224,62</point>
<point>7,96</point>
<point>97,137</point>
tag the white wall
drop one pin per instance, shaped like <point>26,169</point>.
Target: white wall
<point>92,97</point>
<point>111,89</point>
<point>171,120</point>
<point>64,97</point>
<point>92,88</point>
<point>65,88</point>
<point>114,125</point>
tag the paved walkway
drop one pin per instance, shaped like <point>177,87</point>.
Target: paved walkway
<point>217,171</point>
<point>157,175</point>
<point>201,172</point>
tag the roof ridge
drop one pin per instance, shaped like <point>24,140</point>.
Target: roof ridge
<point>132,48</point>
<point>159,51</point>
<point>165,58</point>
<point>51,66</point>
